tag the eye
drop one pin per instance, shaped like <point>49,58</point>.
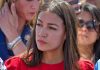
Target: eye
<point>90,26</point>
<point>53,28</point>
<point>39,24</point>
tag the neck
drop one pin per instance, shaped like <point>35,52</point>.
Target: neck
<point>21,23</point>
<point>52,57</point>
<point>86,51</point>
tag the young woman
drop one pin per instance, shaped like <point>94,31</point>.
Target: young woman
<point>14,27</point>
<point>53,41</point>
<point>89,32</point>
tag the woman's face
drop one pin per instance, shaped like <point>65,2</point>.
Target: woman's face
<point>86,35</point>
<point>26,9</point>
<point>50,32</point>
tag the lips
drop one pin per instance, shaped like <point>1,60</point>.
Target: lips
<point>83,37</point>
<point>42,42</point>
<point>31,13</point>
<point>83,34</point>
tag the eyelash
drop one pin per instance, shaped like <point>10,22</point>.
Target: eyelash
<point>50,27</point>
<point>38,24</point>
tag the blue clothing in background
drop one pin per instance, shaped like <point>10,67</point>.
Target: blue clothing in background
<point>97,66</point>
<point>4,52</point>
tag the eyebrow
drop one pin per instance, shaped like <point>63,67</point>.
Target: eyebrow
<point>52,24</point>
<point>48,23</point>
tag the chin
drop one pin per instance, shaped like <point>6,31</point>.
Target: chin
<point>28,18</point>
<point>43,50</point>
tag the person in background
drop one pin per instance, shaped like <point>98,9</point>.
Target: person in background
<point>89,32</point>
<point>76,4</point>
<point>14,27</point>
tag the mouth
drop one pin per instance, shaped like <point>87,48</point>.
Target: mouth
<point>31,13</point>
<point>84,36</point>
<point>42,42</point>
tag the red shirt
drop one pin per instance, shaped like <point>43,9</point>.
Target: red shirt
<point>17,64</point>
<point>86,64</point>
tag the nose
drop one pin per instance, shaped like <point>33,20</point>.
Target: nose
<point>43,33</point>
<point>34,4</point>
<point>84,28</point>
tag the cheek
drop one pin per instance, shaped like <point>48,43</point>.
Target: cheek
<point>78,33</point>
<point>94,36</point>
<point>20,8</point>
<point>57,39</point>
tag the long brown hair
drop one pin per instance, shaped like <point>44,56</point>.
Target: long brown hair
<point>71,55</point>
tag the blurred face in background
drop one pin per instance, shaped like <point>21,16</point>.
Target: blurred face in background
<point>26,9</point>
<point>87,34</point>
